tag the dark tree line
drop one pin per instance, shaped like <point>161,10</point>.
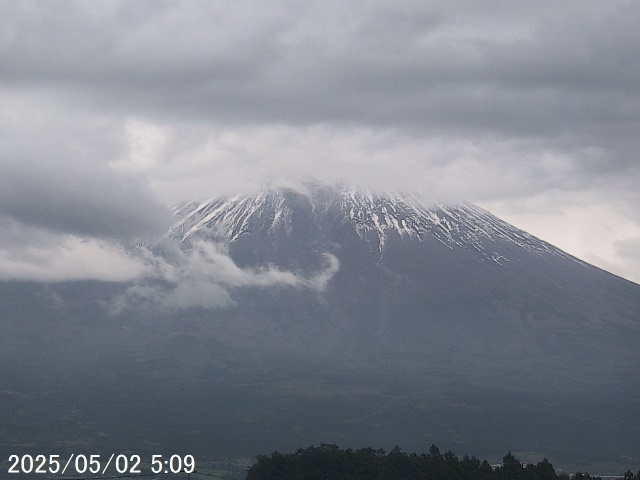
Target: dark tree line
<point>328,462</point>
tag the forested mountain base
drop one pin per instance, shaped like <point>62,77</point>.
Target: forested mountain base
<point>330,462</point>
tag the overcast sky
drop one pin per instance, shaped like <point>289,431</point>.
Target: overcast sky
<point>112,110</point>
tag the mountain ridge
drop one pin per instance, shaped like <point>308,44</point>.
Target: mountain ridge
<point>404,214</point>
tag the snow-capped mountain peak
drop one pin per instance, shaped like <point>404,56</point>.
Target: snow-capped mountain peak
<point>376,217</point>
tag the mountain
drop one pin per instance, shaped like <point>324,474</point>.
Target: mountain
<point>446,297</point>
<point>401,215</point>
<point>336,315</point>
<point>414,273</point>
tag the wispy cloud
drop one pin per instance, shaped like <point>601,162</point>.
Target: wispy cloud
<point>206,276</point>
<point>35,254</point>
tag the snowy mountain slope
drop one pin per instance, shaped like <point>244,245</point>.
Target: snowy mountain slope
<point>375,218</point>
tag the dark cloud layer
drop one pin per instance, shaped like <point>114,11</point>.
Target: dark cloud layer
<point>564,73</point>
<point>527,70</point>
<point>68,199</point>
<point>55,174</point>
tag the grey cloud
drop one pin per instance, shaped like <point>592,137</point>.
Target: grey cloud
<point>74,200</point>
<point>625,260</point>
<point>206,277</point>
<point>239,159</point>
<point>488,66</point>
<point>563,74</point>
<point>628,251</point>
<point>54,173</point>
<point>35,254</point>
